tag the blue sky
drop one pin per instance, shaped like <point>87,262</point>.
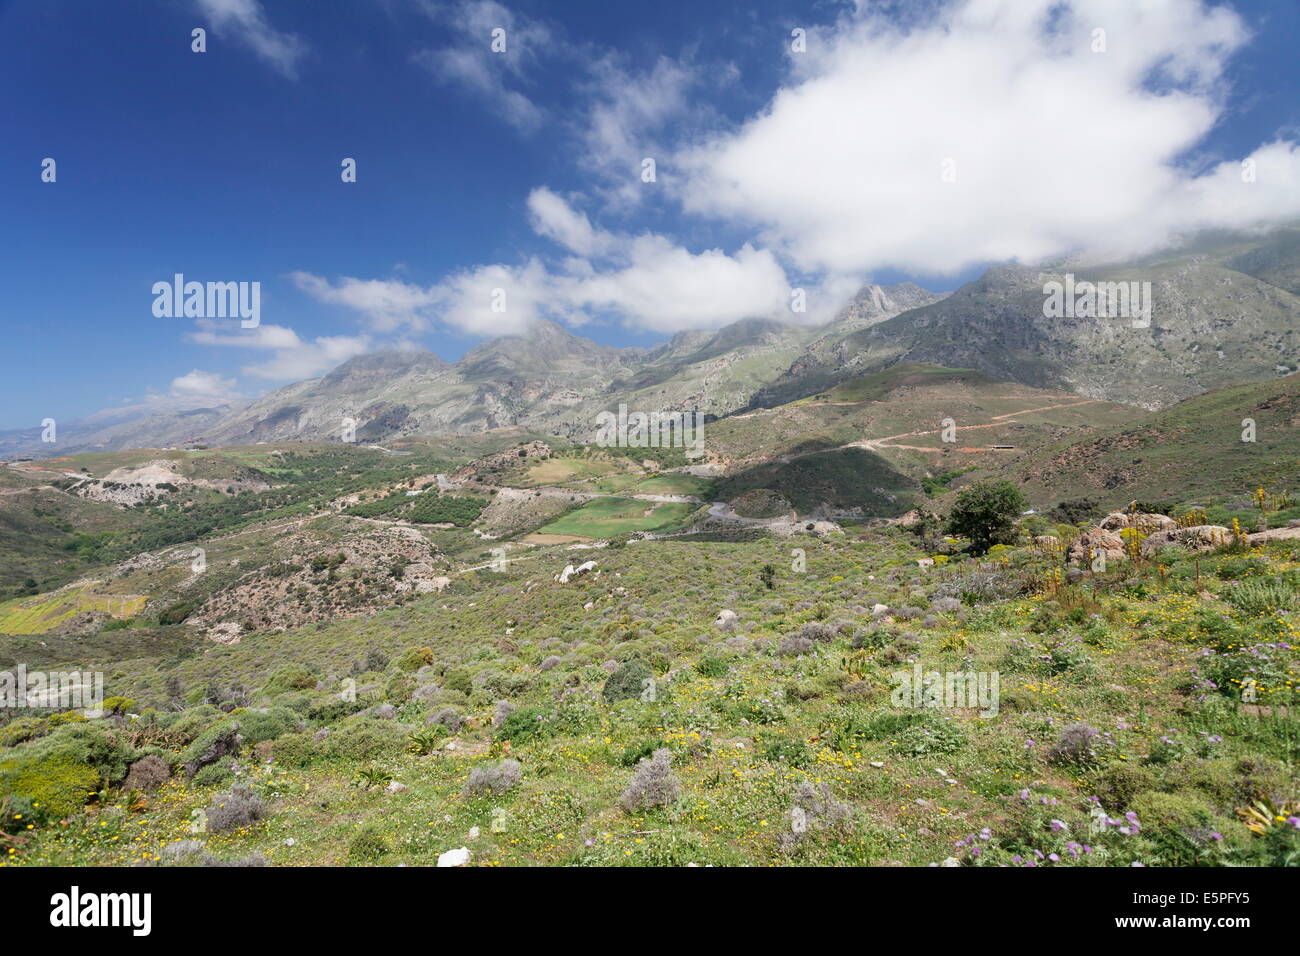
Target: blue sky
<point>776,169</point>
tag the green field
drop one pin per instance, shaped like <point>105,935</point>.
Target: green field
<point>607,517</point>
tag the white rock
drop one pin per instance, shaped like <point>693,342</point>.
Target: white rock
<point>473,833</point>
<point>396,787</point>
<point>877,764</point>
<point>458,857</point>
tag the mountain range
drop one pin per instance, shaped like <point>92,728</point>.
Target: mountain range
<point>1224,311</point>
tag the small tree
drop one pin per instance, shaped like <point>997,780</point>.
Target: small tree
<point>986,514</point>
<point>767,574</point>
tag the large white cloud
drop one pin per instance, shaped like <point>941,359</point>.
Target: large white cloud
<point>646,281</point>
<point>1055,147</point>
<point>977,131</point>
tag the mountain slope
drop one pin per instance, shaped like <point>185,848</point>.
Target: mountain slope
<point>1190,450</point>
<point>1218,319</point>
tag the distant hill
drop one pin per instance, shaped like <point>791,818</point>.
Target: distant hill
<point>1225,310</point>
<point>1190,450</point>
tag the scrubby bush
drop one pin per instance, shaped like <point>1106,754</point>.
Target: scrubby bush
<point>237,807</point>
<point>147,773</point>
<point>413,658</point>
<point>220,740</point>
<point>633,754</point>
<point>192,721</point>
<point>365,740</point>
<point>289,677</point>
<point>503,711</point>
<point>294,750</point>
<point>368,844</point>
<point>1120,783</point>
<point>375,660</point>
<point>817,632</point>
<point>448,717</point>
<point>820,806</point>
<point>255,726</point>
<point>710,665</point>
<point>930,737</point>
<point>495,780</point>
<point>794,646</point>
<point>105,747</point>
<point>458,679</point>
<point>527,723</point>
<point>43,790</point>
<point>1077,746</point>
<point>627,682</point>
<point>653,784</point>
<point>789,751</point>
<point>214,775</point>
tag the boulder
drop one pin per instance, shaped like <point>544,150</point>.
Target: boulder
<point>1097,540</point>
<point>458,857</point>
<point>1201,537</point>
<point>571,572</point>
<point>1144,521</point>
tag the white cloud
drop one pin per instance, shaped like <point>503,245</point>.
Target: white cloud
<point>1056,148</point>
<point>637,114</point>
<point>472,63</point>
<point>294,358</point>
<point>646,281</point>
<point>203,386</point>
<point>665,288</point>
<point>555,219</point>
<point>389,305</point>
<point>246,21</point>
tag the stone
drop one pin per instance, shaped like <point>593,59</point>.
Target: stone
<point>457,857</point>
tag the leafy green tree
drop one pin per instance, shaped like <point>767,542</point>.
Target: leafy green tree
<point>986,513</point>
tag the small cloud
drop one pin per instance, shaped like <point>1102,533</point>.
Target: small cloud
<point>388,304</point>
<point>204,386</point>
<point>471,62</point>
<point>294,358</point>
<point>246,21</point>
